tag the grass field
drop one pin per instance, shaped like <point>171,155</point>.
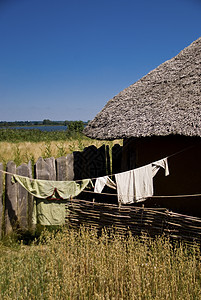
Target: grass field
<point>73,264</point>
<point>79,265</point>
<point>23,145</point>
<point>22,152</point>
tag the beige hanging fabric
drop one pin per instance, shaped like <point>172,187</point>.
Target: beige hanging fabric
<point>102,181</point>
<point>136,185</point>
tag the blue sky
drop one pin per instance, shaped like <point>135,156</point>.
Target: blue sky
<point>63,60</point>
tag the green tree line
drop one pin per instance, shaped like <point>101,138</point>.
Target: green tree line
<point>44,122</point>
<point>74,131</point>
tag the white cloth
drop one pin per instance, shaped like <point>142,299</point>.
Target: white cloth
<point>137,184</point>
<point>143,182</point>
<point>134,185</point>
<point>162,163</point>
<point>101,182</point>
<point>125,187</point>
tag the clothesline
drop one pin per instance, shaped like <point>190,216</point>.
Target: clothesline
<point>171,155</point>
<point>47,210</point>
<point>166,196</point>
<point>94,178</point>
<point>126,192</point>
<point>139,190</point>
<point>115,194</point>
<point>180,151</point>
<point>112,194</point>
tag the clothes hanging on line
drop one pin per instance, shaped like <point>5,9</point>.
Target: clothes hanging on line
<point>52,189</point>
<point>50,197</point>
<point>102,181</point>
<point>162,163</point>
<point>49,212</point>
<point>134,185</point>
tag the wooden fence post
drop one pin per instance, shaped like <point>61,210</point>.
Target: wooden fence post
<point>108,160</point>
<point>18,202</point>
<point>70,164</point>
<point>30,199</point>
<point>129,155</point>
<point>45,170</point>
<point>11,199</point>
<point>64,168</point>
<point>52,167</point>
<point>116,158</point>
<point>23,199</point>
<point>1,198</point>
<point>90,163</point>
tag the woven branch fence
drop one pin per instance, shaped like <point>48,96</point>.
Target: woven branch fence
<point>137,220</point>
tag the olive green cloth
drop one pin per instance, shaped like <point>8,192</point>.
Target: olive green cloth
<point>50,197</point>
<point>49,212</point>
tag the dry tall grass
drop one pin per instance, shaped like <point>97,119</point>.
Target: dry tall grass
<point>79,265</point>
<point>23,152</point>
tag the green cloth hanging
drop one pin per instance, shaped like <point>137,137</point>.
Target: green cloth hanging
<point>50,197</point>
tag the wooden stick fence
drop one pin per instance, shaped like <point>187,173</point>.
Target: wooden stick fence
<point>137,220</point>
<point>16,204</point>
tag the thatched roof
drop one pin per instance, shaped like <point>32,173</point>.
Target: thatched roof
<point>165,101</point>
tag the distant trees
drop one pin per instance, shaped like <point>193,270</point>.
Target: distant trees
<point>15,123</point>
<point>49,122</point>
<point>74,131</point>
<point>74,127</point>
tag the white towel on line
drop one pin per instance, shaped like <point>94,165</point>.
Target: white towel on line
<point>137,184</point>
<point>101,182</point>
<point>134,185</point>
<point>162,163</point>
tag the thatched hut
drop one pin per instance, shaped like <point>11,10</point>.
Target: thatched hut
<point>159,116</point>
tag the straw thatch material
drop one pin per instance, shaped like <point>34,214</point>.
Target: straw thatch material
<point>165,101</point>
